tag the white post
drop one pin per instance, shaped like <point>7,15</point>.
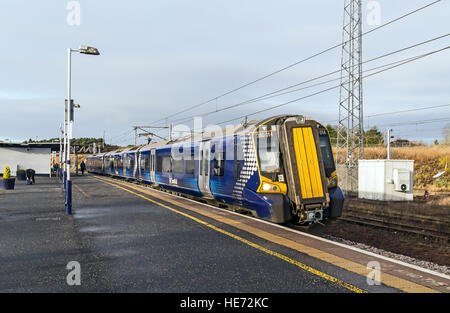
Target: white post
<point>389,144</point>
<point>85,50</point>
<point>69,135</point>
<point>53,161</point>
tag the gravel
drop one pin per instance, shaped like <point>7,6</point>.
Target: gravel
<point>424,264</point>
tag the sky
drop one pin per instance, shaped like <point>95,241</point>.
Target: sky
<point>160,57</point>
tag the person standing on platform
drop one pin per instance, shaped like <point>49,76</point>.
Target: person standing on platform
<point>82,167</point>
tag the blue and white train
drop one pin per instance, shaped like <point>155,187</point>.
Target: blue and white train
<point>280,169</point>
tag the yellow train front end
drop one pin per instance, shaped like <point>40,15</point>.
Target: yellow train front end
<point>302,168</point>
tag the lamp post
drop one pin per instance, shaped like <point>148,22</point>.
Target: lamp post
<point>69,120</point>
<point>389,143</point>
<point>60,152</point>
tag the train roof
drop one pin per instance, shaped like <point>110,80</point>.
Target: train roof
<point>229,130</point>
<point>241,128</point>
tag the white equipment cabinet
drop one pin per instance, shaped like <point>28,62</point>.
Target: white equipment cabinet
<point>386,180</point>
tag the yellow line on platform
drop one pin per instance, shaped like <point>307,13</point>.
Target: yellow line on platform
<point>387,279</point>
<point>254,245</point>
<point>82,191</point>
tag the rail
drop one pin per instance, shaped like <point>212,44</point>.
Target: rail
<point>417,224</point>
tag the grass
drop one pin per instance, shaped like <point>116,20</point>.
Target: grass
<point>420,154</point>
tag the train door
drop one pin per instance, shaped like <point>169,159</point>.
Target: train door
<point>139,165</point>
<point>153,165</point>
<point>111,164</point>
<point>117,166</point>
<point>124,163</point>
<point>237,160</point>
<point>204,161</point>
<point>135,157</point>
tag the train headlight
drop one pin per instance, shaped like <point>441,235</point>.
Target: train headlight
<point>269,187</point>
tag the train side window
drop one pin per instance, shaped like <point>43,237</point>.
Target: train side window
<point>159,164</point>
<point>327,154</point>
<point>166,166</point>
<point>131,162</point>
<point>219,164</point>
<point>190,165</point>
<point>147,163</point>
<point>178,166</point>
<point>142,161</point>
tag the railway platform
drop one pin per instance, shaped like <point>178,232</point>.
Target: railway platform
<point>131,238</point>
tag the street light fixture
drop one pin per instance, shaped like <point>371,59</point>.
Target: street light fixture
<point>88,50</point>
<point>68,116</point>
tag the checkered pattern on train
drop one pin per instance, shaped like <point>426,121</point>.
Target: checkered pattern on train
<point>248,169</point>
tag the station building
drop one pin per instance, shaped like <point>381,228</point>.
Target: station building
<point>37,156</point>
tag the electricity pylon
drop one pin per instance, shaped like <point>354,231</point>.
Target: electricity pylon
<point>350,142</point>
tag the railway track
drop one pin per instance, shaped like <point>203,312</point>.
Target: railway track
<point>426,226</point>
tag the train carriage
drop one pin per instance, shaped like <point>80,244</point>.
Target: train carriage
<point>280,169</point>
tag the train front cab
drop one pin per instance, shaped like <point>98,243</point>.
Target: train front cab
<point>295,160</point>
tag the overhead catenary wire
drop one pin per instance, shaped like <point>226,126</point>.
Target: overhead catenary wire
<point>116,139</point>
<point>391,66</point>
<point>418,122</point>
<point>410,110</point>
<point>157,133</point>
<point>333,87</point>
<point>419,131</point>
<point>296,63</point>
<point>280,92</point>
<point>420,134</point>
<point>402,111</point>
<point>122,134</point>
